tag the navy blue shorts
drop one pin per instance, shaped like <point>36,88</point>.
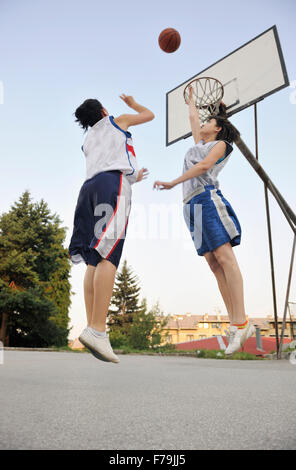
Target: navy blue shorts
<point>101,219</point>
<point>211,220</point>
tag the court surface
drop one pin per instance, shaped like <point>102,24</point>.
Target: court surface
<point>56,400</point>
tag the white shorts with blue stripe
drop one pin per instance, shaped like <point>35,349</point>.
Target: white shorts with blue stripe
<point>211,220</point>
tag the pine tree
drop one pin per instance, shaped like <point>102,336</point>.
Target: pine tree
<point>124,301</point>
<point>32,256</point>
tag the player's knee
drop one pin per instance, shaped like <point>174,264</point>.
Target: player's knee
<point>215,266</point>
<point>224,260</point>
<point>224,255</point>
<point>213,262</point>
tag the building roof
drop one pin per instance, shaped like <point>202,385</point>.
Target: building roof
<point>189,321</point>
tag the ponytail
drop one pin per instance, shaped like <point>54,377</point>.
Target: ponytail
<point>228,131</point>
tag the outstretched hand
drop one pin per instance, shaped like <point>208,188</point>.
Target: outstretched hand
<point>165,185</point>
<point>142,174</point>
<point>129,100</point>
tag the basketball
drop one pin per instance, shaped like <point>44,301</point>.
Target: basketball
<point>169,40</point>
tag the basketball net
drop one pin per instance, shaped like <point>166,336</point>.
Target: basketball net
<point>207,95</point>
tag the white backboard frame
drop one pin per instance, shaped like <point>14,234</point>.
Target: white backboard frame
<point>249,74</point>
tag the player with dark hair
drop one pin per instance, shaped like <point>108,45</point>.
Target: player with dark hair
<point>212,222</point>
<point>102,210</point>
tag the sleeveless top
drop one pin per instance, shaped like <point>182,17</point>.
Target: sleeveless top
<point>195,155</point>
<point>108,147</point>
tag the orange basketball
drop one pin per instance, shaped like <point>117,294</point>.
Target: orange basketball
<point>169,40</point>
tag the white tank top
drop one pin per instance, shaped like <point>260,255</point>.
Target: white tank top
<point>195,155</point>
<point>108,147</point>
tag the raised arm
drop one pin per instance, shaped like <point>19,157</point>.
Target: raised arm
<point>193,118</point>
<point>126,120</point>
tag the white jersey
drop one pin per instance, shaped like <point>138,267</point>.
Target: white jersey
<point>195,155</point>
<point>108,147</point>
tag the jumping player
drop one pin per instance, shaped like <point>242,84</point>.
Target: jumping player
<point>212,222</point>
<point>102,210</point>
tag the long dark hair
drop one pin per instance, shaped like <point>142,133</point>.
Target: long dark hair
<point>89,113</point>
<point>228,131</point>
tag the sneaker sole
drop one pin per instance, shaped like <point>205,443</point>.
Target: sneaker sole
<point>95,353</point>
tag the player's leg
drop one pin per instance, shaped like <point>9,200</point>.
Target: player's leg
<point>240,329</point>
<point>94,337</point>
<point>225,256</point>
<point>221,280</point>
<point>107,243</point>
<point>88,285</point>
<point>103,282</point>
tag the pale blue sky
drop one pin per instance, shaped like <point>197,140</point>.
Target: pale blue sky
<point>56,54</point>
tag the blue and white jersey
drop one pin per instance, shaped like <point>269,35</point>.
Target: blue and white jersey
<point>195,155</point>
<point>108,147</point>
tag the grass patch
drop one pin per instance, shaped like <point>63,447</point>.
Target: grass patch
<point>241,356</point>
<point>220,354</point>
<point>200,353</point>
<point>171,350</point>
<point>126,349</point>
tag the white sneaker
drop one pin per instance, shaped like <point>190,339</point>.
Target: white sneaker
<point>98,356</point>
<point>99,346</point>
<point>227,335</point>
<point>238,337</point>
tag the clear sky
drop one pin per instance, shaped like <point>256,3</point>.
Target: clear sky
<point>56,54</point>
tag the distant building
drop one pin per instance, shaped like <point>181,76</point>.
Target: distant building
<point>188,327</point>
<point>290,327</point>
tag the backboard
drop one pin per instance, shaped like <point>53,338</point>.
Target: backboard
<point>249,74</point>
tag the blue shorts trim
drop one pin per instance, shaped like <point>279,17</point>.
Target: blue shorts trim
<point>211,221</point>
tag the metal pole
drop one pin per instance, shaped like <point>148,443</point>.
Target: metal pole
<point>289,214</point>
<point>286,215</point>
<point>258,339</point>
<point>256,130</point>
<point>287,298</point>
<point>256,146</point>
<point>291,323</point>
<point>269,238</point>
<point>286,209</point>
<point>272,272</point>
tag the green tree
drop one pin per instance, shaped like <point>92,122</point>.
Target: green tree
<point>147,328</point>
<point>30,318</point>
<point>32,255</point>
<point>125,300</point>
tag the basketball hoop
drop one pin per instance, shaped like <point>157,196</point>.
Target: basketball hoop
<point>207,95</point>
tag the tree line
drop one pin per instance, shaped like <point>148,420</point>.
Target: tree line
<point>35,288</point>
